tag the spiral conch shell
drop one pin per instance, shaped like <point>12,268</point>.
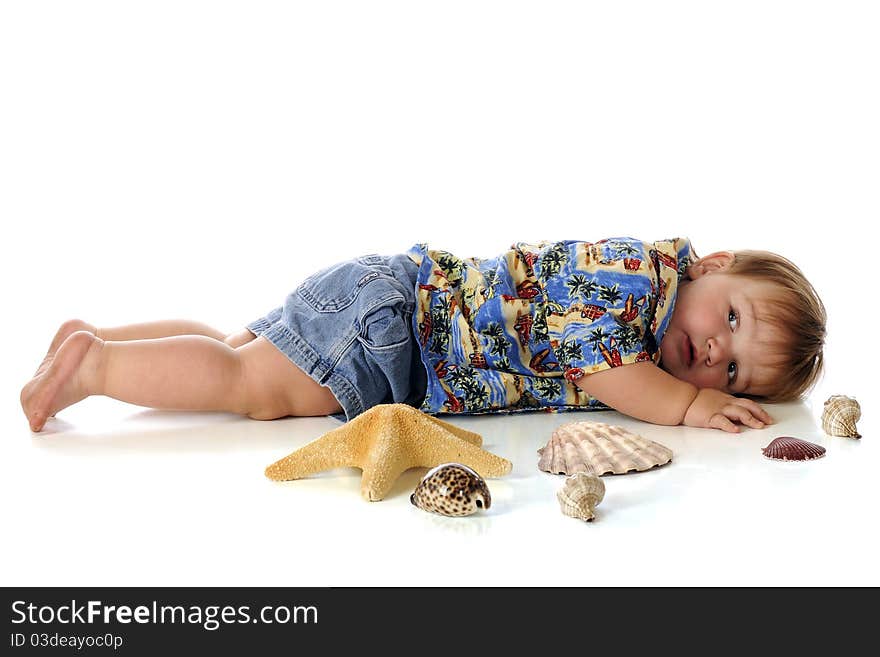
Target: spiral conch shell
<point>580,494</point>
<point>840,415</point>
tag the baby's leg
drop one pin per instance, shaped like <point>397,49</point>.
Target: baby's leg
<point>184,372</point>
<point>169,327</point>
<point>158,329</point>
<point>141,331</point>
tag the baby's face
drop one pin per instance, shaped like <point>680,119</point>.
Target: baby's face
<point>714,339</point>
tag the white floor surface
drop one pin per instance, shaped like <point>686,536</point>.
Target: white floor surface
<point>111,494</point>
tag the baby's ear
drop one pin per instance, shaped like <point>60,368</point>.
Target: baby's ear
<point>714,262</point>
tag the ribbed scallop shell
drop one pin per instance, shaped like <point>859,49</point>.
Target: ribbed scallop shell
<point>598,448</point>
<point>580,494</point>
<point>786,448</point>
<point>451,489</point>
<point>839,416</point>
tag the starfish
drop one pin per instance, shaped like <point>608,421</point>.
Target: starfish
<point>385,441</point>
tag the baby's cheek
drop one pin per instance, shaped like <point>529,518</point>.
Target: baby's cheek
<point>710,379</point>
<point>703,378</point>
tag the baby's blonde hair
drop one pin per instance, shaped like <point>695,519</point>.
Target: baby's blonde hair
<point>798,312</point>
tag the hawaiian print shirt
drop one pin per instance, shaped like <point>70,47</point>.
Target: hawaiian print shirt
<point>515,332</point>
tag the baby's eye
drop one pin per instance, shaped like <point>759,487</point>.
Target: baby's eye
<point>731,373</point>
<point>732,318</point>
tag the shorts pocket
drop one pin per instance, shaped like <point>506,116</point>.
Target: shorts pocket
<point>386,327</point>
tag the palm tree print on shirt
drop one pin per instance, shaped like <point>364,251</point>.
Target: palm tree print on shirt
<point>552,261</point>
<point>581,287</point>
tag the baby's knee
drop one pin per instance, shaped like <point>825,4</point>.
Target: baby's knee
<point>74,325</point>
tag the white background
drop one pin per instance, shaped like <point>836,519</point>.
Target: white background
<point>198,159</point>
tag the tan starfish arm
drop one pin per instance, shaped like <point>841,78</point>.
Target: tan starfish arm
<point>464,434</point>
<point>335,449</point>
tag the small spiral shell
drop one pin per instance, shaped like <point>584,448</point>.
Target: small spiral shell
<point>839,416</point>
<point>580,494</point>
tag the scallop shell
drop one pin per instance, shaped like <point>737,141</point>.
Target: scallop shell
<point>580,494</point>
<point>598,448</point>
<point>451,489</point>
<point>839,416</point>
<point>786,448</point>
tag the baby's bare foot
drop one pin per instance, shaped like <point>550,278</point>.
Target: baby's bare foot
<point>62,383</point>
<point>65,331</point>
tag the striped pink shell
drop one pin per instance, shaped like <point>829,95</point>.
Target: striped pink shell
<point>786,448</point>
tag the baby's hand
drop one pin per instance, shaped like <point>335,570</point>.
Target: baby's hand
<point>713,409</point>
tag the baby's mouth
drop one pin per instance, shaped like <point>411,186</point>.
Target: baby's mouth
<point>688,351</point>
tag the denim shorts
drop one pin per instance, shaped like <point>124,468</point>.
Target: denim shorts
<point>349,327</point>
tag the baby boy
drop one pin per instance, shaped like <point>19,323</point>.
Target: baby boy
<point>646,328</point>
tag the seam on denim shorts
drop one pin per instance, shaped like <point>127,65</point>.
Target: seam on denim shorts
<point>263,324</point>
<point>259,326</point>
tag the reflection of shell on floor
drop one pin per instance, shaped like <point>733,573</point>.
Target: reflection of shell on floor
<point>786,448</point>
<point>839,416</point>
<point>598,448</point>
<point>580,494</point>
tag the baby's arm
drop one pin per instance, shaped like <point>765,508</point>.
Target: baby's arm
<point>645,392</point>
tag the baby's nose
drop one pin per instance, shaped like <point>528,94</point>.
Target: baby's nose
<point>715,352</point>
